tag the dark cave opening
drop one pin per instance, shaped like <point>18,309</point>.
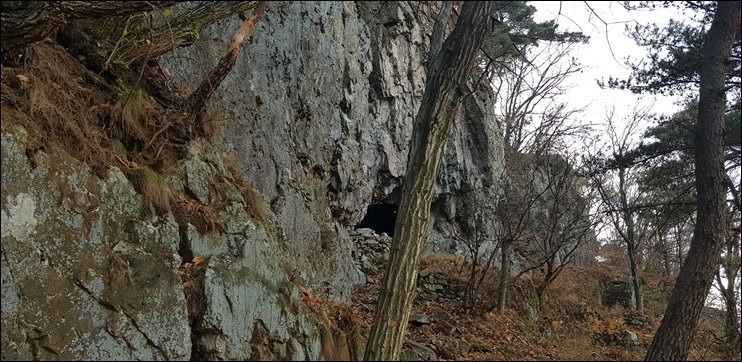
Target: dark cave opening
<point>380,217</point>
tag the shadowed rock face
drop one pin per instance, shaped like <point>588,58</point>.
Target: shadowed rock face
<point>380,218</point>
<point>318,113</point>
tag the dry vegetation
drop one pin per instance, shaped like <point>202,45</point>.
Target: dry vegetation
<point>103,123</point>
<point>571,326</point>
<point>340,331</point>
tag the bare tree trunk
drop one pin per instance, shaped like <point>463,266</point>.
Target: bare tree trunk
<point>731,331</point>
<point>674,337</point>
<point>631,241</point>
<point>541,288</point>
<point>196,102</point>
<point>504,275</point>
<point>666,256</point>
<point>729,292</point>
<point>636,285</point>
<point>450,68</point>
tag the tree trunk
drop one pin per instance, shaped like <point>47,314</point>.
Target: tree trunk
<point>729,292</point>
<point>731,330</point>
<point>450,68</point>
<point>26,22</point>
<point>674,336</point>
<point>504,275</point>
<point>638,297</point>
<point>118,40</point>
<point>196,102</point>
<point>631,240</point>
<point>666,256</point>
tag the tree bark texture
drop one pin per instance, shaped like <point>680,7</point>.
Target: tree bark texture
<point>127,38</point>
<point>730,264</point>
<point>26,22</point>
<point>181,31</point>
<point>674,337</point>
<point>450,68</point>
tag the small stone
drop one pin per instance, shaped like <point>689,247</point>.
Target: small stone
<point>420,352</point>
<point>443,316</point>
<point>419,319</point>
<point>366,232</point>
<point>630,339</point>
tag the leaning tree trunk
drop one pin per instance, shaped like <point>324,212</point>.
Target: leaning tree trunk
<point>674,337</point>
<point>450,68</point>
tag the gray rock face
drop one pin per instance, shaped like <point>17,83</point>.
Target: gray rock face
<point>252,309</point>
<point>83,275</point>
<point>318,112</point>
<point>86,275</point>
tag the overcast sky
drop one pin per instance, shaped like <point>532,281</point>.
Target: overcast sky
<point>604,55</point>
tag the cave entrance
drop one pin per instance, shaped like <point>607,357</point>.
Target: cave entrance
<point>380,217</point>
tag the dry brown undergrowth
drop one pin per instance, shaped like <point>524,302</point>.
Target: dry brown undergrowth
<point>63,104</point>
<point>340,331</point>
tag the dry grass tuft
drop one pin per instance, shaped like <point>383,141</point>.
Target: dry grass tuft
<point>152,185</point>
<point>340,329</point>
<point>189,211</point>
<point>132,111</point>
<point>253,203</point>
<point>155,189</point>
<point>55,99</point>
<point>120,150</point>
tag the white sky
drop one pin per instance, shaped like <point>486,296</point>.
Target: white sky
<point>596,56</point>
<point>599,62</point>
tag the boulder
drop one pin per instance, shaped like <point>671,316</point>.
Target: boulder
<point>617,292</point>
<point>417,352</point>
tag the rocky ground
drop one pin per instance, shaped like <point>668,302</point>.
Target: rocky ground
<point>573,324</point>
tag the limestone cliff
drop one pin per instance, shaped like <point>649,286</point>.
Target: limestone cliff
<point>317,114</point>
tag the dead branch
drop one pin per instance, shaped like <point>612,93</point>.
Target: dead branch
<point>197,100</point>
